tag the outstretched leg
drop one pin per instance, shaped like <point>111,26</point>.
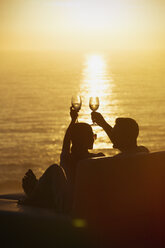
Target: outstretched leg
<point>53,186</point>
<point>51,190</point>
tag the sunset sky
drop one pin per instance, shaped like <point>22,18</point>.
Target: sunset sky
<point>82,24</point>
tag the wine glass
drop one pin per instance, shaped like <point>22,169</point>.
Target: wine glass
<point>76,102</point>
<point>94,104</point>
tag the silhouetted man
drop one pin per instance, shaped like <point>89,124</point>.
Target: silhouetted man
<point>123,135</point>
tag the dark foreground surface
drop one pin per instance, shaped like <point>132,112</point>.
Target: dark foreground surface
<point>119,202</point>
<point>22,226</point>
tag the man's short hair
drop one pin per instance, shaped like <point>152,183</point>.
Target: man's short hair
<point>125,132</point>
<point>129,127</point>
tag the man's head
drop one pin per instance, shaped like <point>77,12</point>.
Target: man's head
<point>82,136</point>
<point>124,133</point>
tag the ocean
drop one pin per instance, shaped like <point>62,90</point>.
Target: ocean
<point>35,97</point>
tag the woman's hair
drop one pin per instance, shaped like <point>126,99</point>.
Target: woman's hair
<point>82,135</point>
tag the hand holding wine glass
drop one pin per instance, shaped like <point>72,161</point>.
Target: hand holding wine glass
<point>76,102</point>
<point>94,104</point>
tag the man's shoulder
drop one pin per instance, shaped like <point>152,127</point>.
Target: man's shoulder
<point>138,150</point>
<point>100,154</point>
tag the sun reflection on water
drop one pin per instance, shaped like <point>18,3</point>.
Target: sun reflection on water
<point>95,76</point>
<point>97,81</point>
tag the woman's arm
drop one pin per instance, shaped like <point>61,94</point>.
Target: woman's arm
<point>67,137</point>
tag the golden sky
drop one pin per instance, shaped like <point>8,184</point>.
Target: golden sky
<point>82,24</point>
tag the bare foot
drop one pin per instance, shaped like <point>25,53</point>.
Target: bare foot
<point>28,182</point>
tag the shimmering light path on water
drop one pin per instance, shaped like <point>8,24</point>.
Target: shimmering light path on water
<point>35,94</point>
<point>97,81</point>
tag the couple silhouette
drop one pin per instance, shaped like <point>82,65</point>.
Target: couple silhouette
<point>55,188</point>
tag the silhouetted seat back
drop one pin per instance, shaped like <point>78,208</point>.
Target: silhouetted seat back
<point>122,199</point>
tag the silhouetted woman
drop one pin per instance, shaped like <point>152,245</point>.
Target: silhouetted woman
<point>55,188</point>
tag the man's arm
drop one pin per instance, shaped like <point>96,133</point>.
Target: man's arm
<point>98,118</point>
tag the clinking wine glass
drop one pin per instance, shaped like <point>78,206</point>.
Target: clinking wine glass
<point>76,102</point>
<point>94,105</point>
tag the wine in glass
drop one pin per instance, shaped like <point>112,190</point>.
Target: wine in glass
<point>76,102</point>
<point>94,104</point>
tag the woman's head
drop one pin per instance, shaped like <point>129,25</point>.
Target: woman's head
<point>82,136</point>
<point>124,133</point>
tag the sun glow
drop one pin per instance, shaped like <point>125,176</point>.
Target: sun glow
<point>81,24</point>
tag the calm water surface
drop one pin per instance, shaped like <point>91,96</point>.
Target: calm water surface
<point>35,93</point>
